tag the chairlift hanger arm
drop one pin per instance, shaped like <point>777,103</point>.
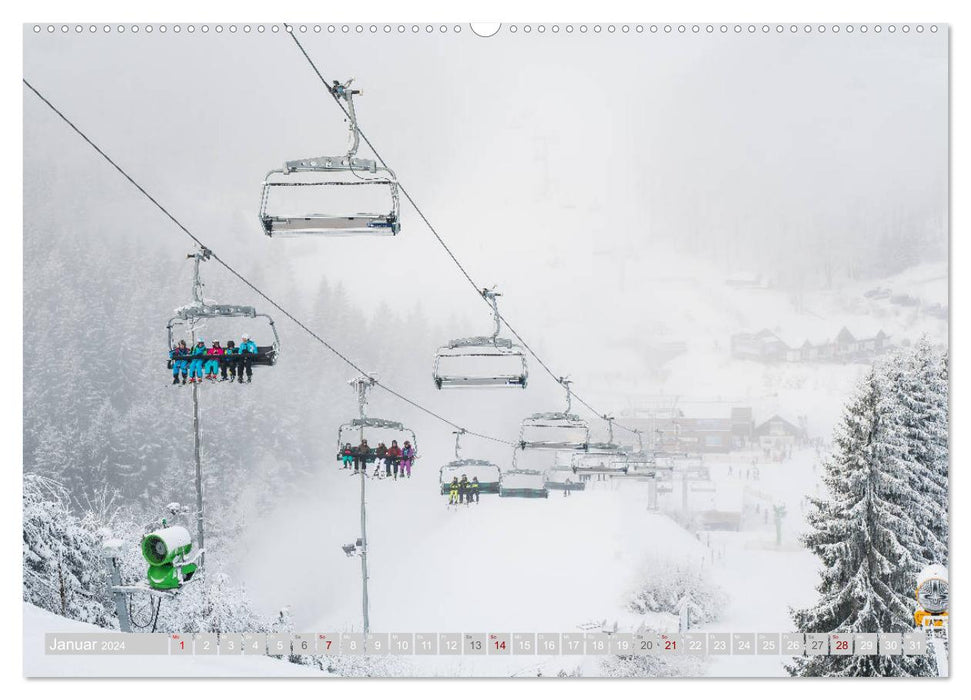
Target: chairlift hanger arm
<point>344,91</point>
<point>492,296</point>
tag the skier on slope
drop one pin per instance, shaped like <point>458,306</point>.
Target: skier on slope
<point>247,351</point>
<point>215,354</point>
<point>179,366</point>
<point>195,364</point>
<point>394,454</point>
<point>407,458</point>
<point>453,491</point>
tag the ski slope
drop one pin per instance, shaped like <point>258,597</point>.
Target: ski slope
<point>504,565</point>
<point>518,565</point>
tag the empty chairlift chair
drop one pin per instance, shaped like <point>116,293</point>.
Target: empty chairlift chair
<point>556,430</point>
<point>602,460</point>
<point>561,477</point>
<point>481,361</point>
<point>642,465</point>
<point>296,184</point>
<point>485,471</point>
<point>522,483</point>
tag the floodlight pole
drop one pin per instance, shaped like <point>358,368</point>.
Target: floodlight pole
<point>362,385</point>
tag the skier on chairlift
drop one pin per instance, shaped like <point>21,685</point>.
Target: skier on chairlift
<point>453,491</point>
<point>195,364</point>
<point>228,364</point>
<point>380,455</point>
<point>394,454</point>
<point>362,453</point>
<point>215,354</point>
<point>246,351</point>
<point>407,458</point>
<point>474,489</point>
<point>347,456</point>
<point>179,366</point>
<point>464,490</point>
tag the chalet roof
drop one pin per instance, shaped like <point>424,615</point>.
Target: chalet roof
<point>764,428</point>
<point>844,336</point>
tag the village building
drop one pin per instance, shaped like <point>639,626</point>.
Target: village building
<point>777,436</point>
<point>768,346</point>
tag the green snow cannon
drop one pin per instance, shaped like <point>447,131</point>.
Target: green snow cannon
<point>167,553</point>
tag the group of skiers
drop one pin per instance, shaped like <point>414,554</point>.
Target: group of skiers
<point>463,491</point>
<point>215,363</point>
<point>396,459</point>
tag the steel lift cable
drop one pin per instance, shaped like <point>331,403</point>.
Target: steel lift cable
<point>465,273</point>
<point>249,284</point>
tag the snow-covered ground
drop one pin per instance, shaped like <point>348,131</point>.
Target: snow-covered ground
<point>38,622</point>
<point>763,580</point>
<point>524,565</point>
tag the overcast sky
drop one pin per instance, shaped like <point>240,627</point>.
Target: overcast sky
<point>529,152</point>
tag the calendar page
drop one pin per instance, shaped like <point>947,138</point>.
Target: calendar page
<point>521,350</point>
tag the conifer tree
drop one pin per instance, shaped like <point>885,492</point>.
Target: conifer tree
<point>865,535</point>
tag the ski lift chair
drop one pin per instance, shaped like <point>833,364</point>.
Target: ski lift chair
<point>560,476</point>
<point>601,460</point>
<point>449,359</point>
<point>187,316</point>
<point>563,480</point>
<point>359,425</point>
<point>523,483</point>
<point>487,472</point>
<point>199,309</point>
<point>642,466</point>
<point>355,172</point>
<point>554,431</point>
<point>481,361</point>
<point>559,430</point>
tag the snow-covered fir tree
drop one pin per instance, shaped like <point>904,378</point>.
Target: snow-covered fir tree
<point>867,538</point>
<point>914,408</point>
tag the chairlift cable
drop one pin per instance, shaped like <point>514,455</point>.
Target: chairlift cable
<point>478,288</point>
<point>245,281</point>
